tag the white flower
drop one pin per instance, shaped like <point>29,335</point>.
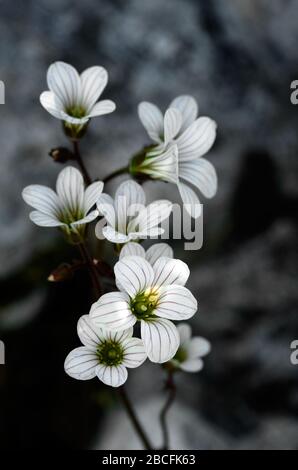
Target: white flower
<point>157,163</point>
<point>151,295</point>
<point>191,350</point>
<point>193,137</point>
<point>153,253</point>
<point>73,98</point>
<point>105,354</point>
<point>126,216</point>
<point>69,208</point>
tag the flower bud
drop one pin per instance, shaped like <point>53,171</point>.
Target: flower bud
<point>61,154</point>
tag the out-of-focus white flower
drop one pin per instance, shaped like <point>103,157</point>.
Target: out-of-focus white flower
<point>73,98</point>
<point>105,354</point>
<point>126,216</point>
<point>152,295</point>
<point>156,251</point>
<point>191,350</point>
<point>193,137</point>
<point>69,207</point>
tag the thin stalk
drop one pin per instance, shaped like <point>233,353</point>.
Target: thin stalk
<point>171,387</point>
<point>134,419</point>
<point>91,267</point>
<point>121,171</point>
<point>78,158</point>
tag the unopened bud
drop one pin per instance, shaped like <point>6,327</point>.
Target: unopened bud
<point>61,154</point>
<point>62,273</point>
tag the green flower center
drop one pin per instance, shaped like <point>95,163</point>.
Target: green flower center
<point>110,353</point>
<point>76,111</point>
<point>181,355</point>
<point>144,304</point>
<point>68,216</point>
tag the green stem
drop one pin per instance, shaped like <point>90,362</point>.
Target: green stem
<point>78,158</point>
<point>119,172</point>
<point>134,419</point>
<point>92,268</point>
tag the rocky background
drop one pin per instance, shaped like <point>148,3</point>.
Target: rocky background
<point>238,58</point>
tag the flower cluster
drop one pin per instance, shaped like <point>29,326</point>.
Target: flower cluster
<point>150,284</point>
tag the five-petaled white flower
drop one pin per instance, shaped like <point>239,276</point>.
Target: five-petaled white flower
<point>156,251</point>
<point>193,137</point>
<point>152,295</point>
<point>127,218</point>
<point>73,98</point>
<point>67,209</point>
<point>191,350</point>
<point>105,354</point>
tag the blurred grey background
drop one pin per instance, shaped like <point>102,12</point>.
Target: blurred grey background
<point>237,58</point>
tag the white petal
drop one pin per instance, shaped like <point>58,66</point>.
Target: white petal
<point>64,81</point>
<point>188,107</point>
<point>42,198</point>
<point>161,339</point>
<point>85,220</point>
<point>170,271</point>
<point>89,334</point>
<point>172,124</point>
<point>135,353</point>
<point>93,82</point>
<point>70,189</point>
<point>157,251</point>
<point>129,199</point>
<point>201,174</point>
<point>152,119</point>
<point>176,303</point>
<point>163,165</point>
<point>134,274</point>
<point>113,236</point>
<point>112,312</point>
<point>198,347</point>
<point>105,206</point>
<point>101,108</point>
<point>192,365</point>
<point>74,120</point>
<point>132,249</point>
<point>121,336</point>
<point>115,376</point>
<point>190,200</point>
<point>44,220</point>
<point>151,216</point>
<point>81,364</point>
<point>52,104</point>
<point>92,194</point>
<point>184,330</point>
<point>197,139</point>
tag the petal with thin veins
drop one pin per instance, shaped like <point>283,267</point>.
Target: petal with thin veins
<point>93,82</point>
<point>85,220</point>
<point>161,339</point>
<point>81,364</point>
<point>101,108</point>
<point>113,236</point>
<point>64,81</point>
<point>70,189</point>
<point>170,271</point>
<point>157,251</point>
<point>105,206</point>
<point>134,353</point>
<point>89,334</point>
<point>112,311</point>
<point>42,198</point>
<point>134,274</point>
<point>176,303</point>
<point>115,376</point>
<point>201,174</point>
<point>92,194</point>
<point>51,103</point>
<point>152,119</point>
<point>151,216</point>
<point>197,139</point>
<point>44,220</point>
<point>132,249</point>
<point>188,107</point>
<point>190,200</point>
<point>172,124</point>
<point>129,199</point>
